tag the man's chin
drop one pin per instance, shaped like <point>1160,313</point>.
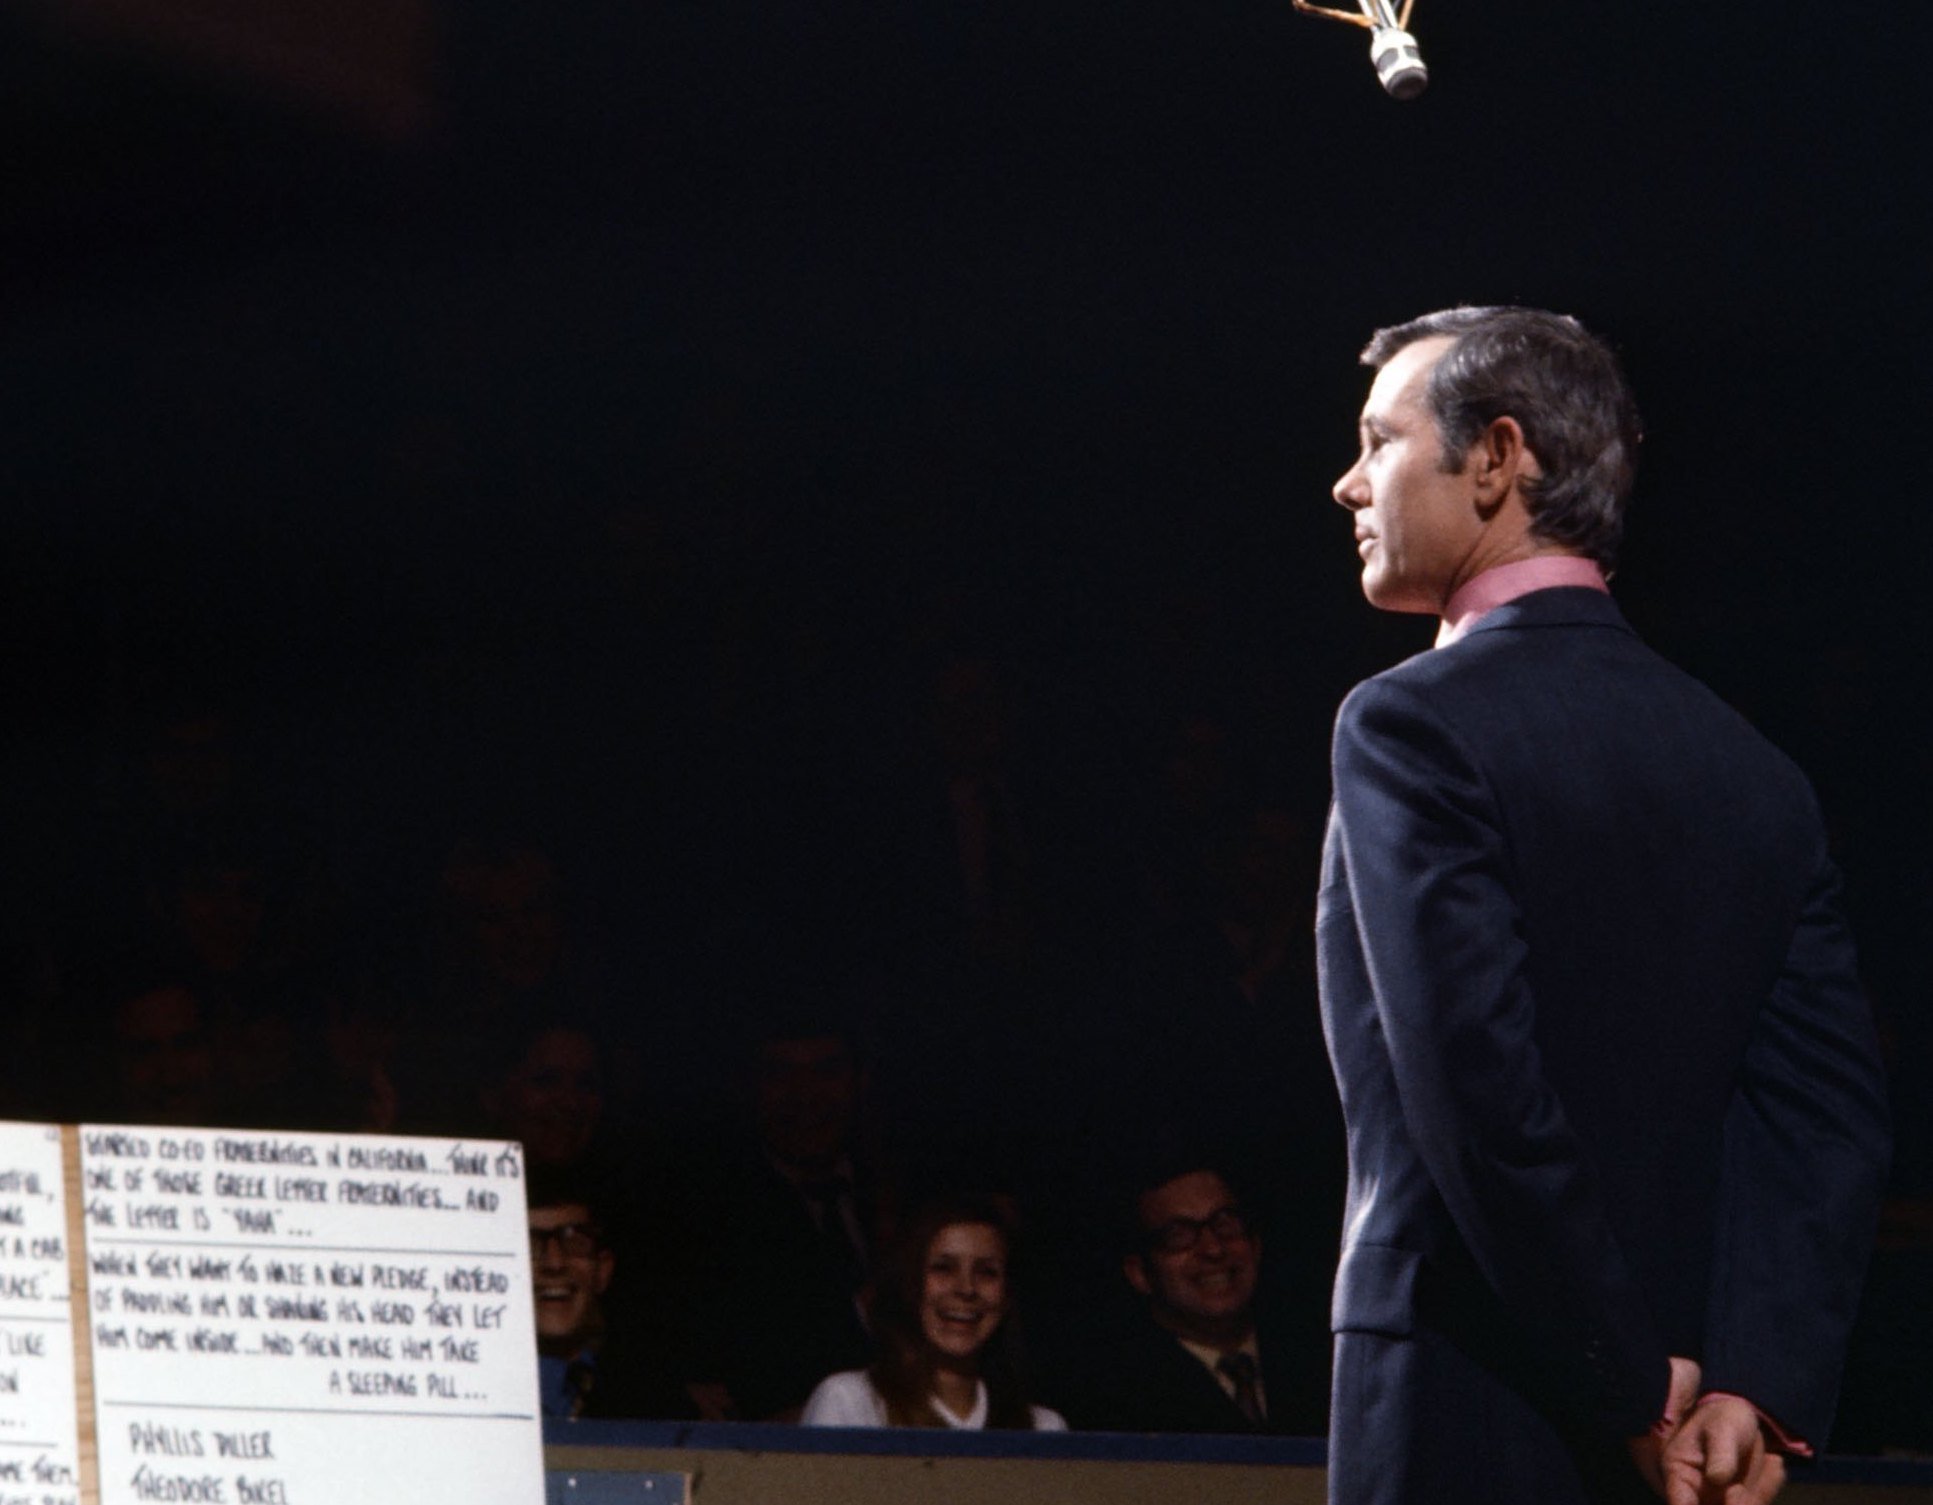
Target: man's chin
<point>1386,596</point>
<point>564,1336</point>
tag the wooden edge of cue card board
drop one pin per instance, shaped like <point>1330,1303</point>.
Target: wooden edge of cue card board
<point>81,1305</point>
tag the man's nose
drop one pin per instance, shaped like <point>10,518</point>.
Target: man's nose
<point>1348,488</point>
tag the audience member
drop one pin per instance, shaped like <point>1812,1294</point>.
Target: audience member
<point>1225,1021</point>
<point>230,915</point>
<point>503,947</point>
<point>161,1058</point>
<point>583,1368</point>
<point>240,897</point>
<point>789,1219</point>
<point>548,1094</point>
<point>364,1029</point>
<point>546,1088</point>
<point>949,1342</point>
<point>952,824</point>
<point>1203,1356</point>
<point>502,919</point>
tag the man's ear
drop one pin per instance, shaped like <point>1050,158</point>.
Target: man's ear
<point>1501,460</point>
<point>1135,1271</point>
<point>606,1266</point>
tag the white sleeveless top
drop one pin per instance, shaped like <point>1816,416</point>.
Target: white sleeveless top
<point>849,1400</point>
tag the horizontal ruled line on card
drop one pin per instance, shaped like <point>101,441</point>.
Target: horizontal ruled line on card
<point>169,1405</point>
<point>205,1243</point>
<point>60,1300</point>
<point>45,1447</point>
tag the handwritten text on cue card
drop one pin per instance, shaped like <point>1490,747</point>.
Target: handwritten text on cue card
<point>39,1450</point>
<point>300,1319</point>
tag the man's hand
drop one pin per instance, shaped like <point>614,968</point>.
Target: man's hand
<point>1718,1457</point>
<point>1647,1452</point>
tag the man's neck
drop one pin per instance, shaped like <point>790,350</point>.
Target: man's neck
<point>1225,1335</point>
<point>1485,592</point>
<point>577,1346</point>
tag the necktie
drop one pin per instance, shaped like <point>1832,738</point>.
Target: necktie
<point>1240,1368</point>
<point>827,1200</point>
<point>578,1379</point>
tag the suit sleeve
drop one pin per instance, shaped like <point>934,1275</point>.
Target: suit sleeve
<point>1805,1156</point>
<point>1441,932</point>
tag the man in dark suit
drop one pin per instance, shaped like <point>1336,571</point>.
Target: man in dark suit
<point>785,1246</point>
<point>1201,1357</point>
<point>1613,1096</point>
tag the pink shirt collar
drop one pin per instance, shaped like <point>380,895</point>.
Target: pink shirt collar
<point>1507,582</point>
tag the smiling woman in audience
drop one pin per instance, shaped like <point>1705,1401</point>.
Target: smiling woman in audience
<point>949,1347</point>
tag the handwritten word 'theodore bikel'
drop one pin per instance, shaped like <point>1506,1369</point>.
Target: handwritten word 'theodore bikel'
<point>149,1483</point>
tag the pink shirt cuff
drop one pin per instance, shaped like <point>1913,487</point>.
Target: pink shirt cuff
<point>1781,1440</point>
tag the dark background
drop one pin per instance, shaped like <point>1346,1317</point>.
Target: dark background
<point>604,415</point>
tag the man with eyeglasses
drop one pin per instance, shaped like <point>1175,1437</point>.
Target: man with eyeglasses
<point>1200,1358</point>
<point>580,1371</point>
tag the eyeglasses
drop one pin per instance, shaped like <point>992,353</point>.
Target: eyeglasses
<point>573,1241</point>
<point>1179,1235</point>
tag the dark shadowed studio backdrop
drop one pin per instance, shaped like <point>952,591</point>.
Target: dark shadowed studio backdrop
<point>644,435</point>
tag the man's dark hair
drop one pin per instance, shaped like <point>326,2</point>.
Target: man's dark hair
<point>1563,386</point>
<point>568,1186</point>
<point>1167,1162</point>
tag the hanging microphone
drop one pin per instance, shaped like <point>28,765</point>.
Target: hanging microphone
<point>1398,60</point>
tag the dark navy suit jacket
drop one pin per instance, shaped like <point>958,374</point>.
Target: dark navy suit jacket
<point>1612,1090</point>
<point>1147,1382</point>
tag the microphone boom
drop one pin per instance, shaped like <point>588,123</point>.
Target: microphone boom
<point>1398,60</point>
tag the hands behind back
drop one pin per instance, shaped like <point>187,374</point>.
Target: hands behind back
<point>1718,1457</point>
<point>1647,1452</point>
